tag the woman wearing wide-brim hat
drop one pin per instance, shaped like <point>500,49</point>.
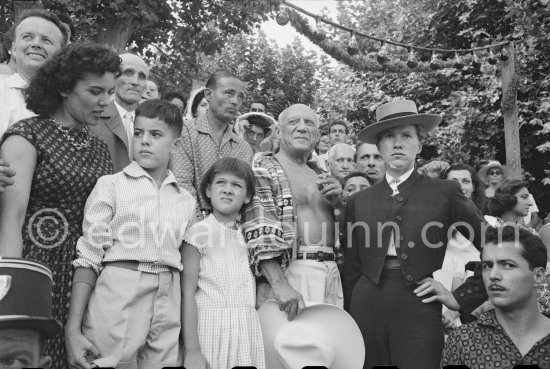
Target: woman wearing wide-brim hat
<point>255,127</point>
<point>492,175</point>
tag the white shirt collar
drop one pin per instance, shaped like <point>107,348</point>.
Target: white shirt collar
<point>16,81</point>
<point>121,110</point>
<point>402,178</point>
<point>135,170</point>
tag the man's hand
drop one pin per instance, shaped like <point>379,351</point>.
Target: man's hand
<point>440,293</point>
<point>6,174</point>
<point>288,298</point>
<point>331,190</point>
<point>448,319</point>
<point>78,348</point>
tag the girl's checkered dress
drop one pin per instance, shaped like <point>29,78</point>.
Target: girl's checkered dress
<point>229,329</point>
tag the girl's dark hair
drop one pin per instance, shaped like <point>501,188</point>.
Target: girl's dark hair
<point>196,101</point>
<point>175,95</point>
<point>505,197</point>
<point>163,110</point>
<point>237,167</point>
<point>478,195</point>
<point>62,72</point>
<point>357,174</point>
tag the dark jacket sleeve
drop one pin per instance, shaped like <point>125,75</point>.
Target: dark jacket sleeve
<point>470,295</point>
<point>467,218</point>
<point>352,263</point>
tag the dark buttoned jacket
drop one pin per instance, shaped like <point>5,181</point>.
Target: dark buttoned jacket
<point>111,130</point>
<point>421,215</point>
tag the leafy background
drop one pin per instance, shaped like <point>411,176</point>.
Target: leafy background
<point>185,40</point>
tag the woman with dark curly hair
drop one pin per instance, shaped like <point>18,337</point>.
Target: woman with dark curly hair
<point>470,184</point>
<point>510,202</point>
<point>57,162</point>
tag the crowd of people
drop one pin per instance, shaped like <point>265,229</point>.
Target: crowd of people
<point>158,232</point>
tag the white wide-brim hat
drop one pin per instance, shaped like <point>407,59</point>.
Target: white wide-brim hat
<point>493,164</point>
<point>321,335</point>
<point>264,121</point>
<point>398,113</point>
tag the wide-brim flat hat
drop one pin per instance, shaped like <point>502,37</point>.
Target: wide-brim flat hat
<point>321,335</point>
<point>259,119</point>
<point>493,164</point>
<point>26,296</point>
<point>398,113</point>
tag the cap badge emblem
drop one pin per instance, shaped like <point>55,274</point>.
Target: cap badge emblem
<point>5,284</point>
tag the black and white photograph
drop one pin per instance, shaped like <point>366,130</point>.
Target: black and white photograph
<point>274,184</point>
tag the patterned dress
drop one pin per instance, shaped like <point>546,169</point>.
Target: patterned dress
<point>228,328</point>
<point>63,178</point>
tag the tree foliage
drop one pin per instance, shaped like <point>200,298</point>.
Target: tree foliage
<point>469,99</point>
<point>182,30</point>
<point>279,76</point>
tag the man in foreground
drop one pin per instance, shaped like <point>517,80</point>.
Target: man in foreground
<point>289,224</point>
<point>25,314</point>
<point>515,332</point>
<point>395,237</point>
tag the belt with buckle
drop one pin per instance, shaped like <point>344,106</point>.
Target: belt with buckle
<point>318,255</point>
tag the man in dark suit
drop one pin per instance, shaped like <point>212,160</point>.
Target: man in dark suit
<point>395,237</point>
<point>117,127</point>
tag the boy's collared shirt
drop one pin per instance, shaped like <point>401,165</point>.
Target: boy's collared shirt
<point>128,218</point>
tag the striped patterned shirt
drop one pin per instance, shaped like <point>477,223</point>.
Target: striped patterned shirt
<point>128,218</point>
<point>269,221</point>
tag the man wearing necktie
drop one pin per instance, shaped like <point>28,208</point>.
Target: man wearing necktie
<point>117,127</point>
<point>395,237</point>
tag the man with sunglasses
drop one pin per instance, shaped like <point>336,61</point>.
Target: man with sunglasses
<point>492,175</point>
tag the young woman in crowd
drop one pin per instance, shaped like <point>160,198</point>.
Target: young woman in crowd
<point>470,183</point>
<point>511,201</point>
<point>197,104</point>
<point>220,325</point>
<point>58,161</point>
<point>460,250</point>
<point>472,188</point>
